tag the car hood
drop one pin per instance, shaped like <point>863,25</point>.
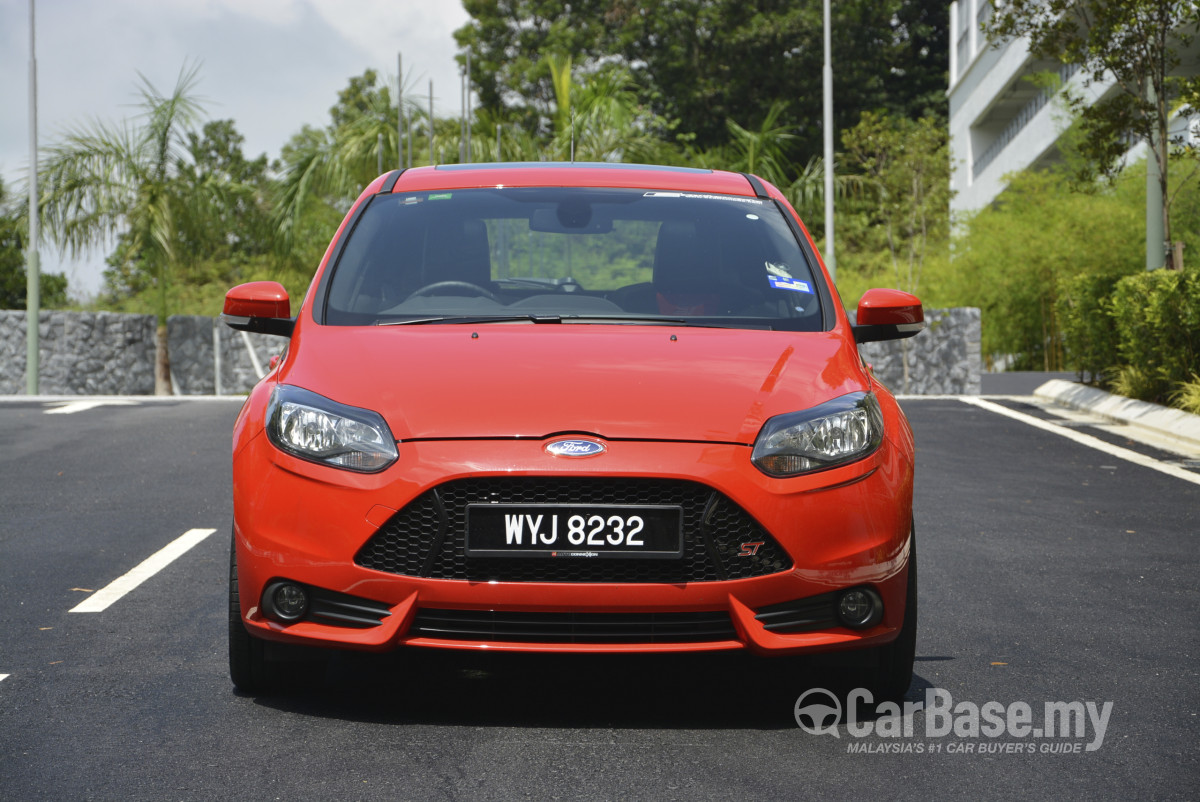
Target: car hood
<point>534,380</point>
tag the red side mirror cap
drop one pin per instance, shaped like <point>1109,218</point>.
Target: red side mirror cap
<point>888,315</point>
<point>260,306</point>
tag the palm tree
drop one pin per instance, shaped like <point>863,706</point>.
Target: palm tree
<point>604,118</point>
<point>103,180</point>
<point>336,162</point>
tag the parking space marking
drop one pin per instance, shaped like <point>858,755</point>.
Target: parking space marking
<point>4,677</point>
<point>106,596</point>
<point>1086,440</point>
<point>71,407</point>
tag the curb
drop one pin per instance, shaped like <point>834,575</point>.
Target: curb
<point>1160,420</point>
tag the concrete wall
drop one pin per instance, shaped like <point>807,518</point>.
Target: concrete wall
<point>103,353</point>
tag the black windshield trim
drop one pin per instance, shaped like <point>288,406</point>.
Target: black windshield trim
<point>657,168</point>
<point>759,190</point>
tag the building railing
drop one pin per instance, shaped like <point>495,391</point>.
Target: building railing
<point>1018,123</point>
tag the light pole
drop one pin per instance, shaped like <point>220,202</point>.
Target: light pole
<point>1156,251</point>
<point>827,87</point>
<point>33,301</point>
<point>400,111</point>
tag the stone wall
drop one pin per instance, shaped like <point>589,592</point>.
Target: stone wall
<point>80,353</point>
<point>103,353</point>
<point>240,358</point>
<point>943,359</point>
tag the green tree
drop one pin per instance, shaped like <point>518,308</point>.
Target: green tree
<point>14,236</point>
<point>698,63</point>
<point>509,41</point>
<point>103,180</point>
<point>335,162</point>
<point>1138,44</point>
<point>601,114</point>
<point>1019,256</point>
<point>231,216</point>
<point>905,212</point>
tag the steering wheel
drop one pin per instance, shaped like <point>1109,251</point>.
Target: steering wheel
<point>463,288</point>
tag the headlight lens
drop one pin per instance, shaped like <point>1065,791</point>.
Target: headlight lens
<point>313,427</point>
<point>839,431</point>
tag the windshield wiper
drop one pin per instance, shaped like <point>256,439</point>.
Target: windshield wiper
<point>469,319</point>
<point>631,320</point>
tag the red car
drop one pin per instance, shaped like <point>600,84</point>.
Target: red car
<point>572,408</point>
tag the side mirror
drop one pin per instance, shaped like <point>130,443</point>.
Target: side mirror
<point>888,315</point>
<point>260,306</point>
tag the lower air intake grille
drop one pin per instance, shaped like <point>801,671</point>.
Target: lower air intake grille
<point>428,537</point>
<point>573,627</point>
<point>802,615</point>
<point>342,610</point>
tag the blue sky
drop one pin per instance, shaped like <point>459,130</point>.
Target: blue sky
<point>270,65</point>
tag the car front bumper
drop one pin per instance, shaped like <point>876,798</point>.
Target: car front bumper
<point>840,528</point>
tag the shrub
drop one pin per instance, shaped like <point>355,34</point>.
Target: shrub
<point>1089,338</point>
<point>1015,257</point>
<point>1157,322</point>
<point>1187,396</point>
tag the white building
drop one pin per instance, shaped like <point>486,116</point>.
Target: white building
<point>1000,122</point>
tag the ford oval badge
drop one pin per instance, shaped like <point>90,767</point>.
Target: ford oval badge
<point>575,448</point>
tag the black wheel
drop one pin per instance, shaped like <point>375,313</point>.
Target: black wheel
<point>454,288</point>
<point>261,667</point>
<point>893,674</point>
<point>247,654</point>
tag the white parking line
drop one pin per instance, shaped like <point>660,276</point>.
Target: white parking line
<point>106,596</point>
<point>1087,440</point>
<point>4,677</point>
<point>72,407</point>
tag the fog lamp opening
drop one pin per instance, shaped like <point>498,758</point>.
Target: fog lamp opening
<point>860,608</point>
<point>286,602</point>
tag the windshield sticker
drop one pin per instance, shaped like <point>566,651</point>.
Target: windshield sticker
<point>441,196</point>
<point>696,196</point>
<point>778,270</point>
<point>412,200</point>
<point>781,283</point>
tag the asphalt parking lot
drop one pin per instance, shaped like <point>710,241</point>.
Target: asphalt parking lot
<point>1057,651</point>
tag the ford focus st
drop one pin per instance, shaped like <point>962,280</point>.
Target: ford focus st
<point>572,408</point>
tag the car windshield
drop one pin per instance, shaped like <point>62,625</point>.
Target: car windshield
<point>573,255</point>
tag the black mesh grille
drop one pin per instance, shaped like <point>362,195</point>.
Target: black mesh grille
<point>427,537</point>
<point>573,627</point>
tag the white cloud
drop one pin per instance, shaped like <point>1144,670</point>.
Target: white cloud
<point>270,65</point>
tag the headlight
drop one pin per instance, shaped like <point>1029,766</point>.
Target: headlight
<point>312,427</point>
<point>836,432</point>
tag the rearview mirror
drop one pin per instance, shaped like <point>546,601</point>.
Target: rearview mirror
<point>569,218</point>
<point>260,306</point>
<point>888,315</point>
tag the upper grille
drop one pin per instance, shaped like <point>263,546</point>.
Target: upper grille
<point>428,537</point>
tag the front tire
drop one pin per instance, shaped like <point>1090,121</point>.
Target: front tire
<point>247,654</point>
<point>893,674</point>
<point>257,666</point>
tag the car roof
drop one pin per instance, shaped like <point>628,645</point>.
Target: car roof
<point>568,174</point>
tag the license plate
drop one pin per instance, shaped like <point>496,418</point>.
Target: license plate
<point>574,531</point>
